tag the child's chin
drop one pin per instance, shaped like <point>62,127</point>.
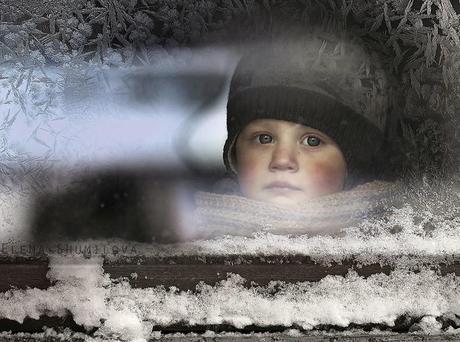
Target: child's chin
<point>285,201</point>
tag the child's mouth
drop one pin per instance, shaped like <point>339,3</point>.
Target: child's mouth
<point>282,186</point>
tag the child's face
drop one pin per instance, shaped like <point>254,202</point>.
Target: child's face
<point>287,163</point>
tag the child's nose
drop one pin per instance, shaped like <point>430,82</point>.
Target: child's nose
<point>284,158</point>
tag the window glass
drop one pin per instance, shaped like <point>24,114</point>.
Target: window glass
<point>187,168</point>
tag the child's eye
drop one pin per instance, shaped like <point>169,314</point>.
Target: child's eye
<point>264,138</point>
<point>312,141</point>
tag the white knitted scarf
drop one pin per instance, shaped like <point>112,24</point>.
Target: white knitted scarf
<point>235,215</point>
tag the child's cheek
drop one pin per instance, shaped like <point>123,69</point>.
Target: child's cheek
<point>249,172</point>
<point>327,177</point>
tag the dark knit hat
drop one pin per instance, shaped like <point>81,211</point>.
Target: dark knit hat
<point>323,82</point>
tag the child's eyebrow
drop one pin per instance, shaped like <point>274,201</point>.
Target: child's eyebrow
<point>296,129</point>
<point>267,125</point>
<point>261,126</point>
<point>311,130</point>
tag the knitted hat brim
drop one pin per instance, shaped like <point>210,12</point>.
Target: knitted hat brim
<point>358,139</point>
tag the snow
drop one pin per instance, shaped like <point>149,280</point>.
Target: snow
<point>118,311</point>
<point>288,335</point>
<point>124,313</point>
<point>411,246</point>
<point>429,325</point>
<point>125,325</point>
<point>78,289</point>
<point>335,300</point>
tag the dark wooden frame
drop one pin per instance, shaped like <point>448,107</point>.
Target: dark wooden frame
<point>185,272</point>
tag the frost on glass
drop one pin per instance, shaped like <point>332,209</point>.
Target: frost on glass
<point>72,104</point>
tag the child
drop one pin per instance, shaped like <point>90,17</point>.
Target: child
<point>332,89</point>
<point>306,122</point>
<point>287,163</point>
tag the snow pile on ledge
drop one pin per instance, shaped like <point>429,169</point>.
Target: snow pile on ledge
<point>335,300</point>
<point>287,335</point>
<point>119,311</point>
<point>373,242</point>
<point>77,288</point>
<point>427,225</point>
<point>81,288</point>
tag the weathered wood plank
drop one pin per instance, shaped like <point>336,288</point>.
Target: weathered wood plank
<point>186,272</point>
<point>186,277</point>
<point>22,276</point>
